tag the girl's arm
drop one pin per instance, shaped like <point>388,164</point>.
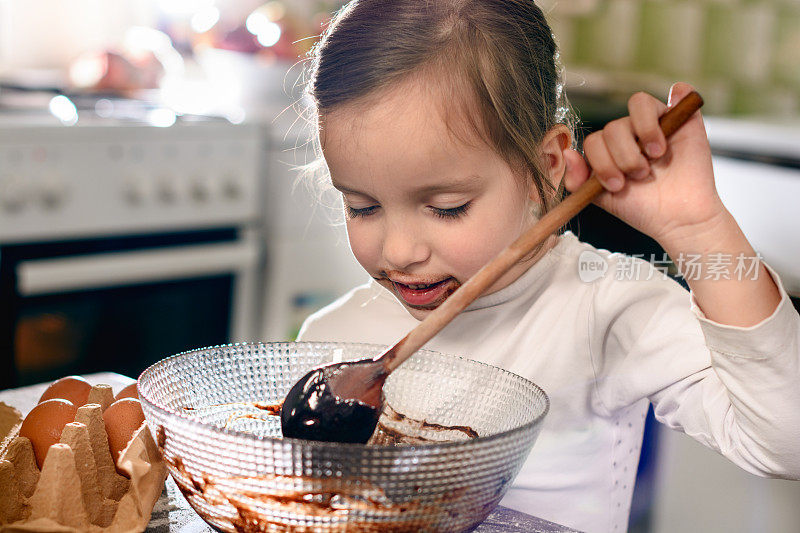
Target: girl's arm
<point>730,388</point>
<point>741,296</point>
<point>670,195</point>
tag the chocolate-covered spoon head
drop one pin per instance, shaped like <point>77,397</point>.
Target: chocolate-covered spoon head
<point>339,402</point>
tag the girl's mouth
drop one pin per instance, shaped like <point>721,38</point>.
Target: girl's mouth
<point>425,296</point>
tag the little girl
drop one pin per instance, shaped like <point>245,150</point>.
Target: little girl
<point>443,126</point>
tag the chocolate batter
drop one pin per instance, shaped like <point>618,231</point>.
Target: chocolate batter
<point>316,409</point>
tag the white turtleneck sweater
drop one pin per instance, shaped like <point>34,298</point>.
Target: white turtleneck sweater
<point>602,350</point>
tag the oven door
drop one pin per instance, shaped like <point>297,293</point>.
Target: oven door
<point>123,310</point>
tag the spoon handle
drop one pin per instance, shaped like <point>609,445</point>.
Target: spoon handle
<point>516,251</point>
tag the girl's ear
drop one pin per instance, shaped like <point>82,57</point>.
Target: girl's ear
<point>555,143</point>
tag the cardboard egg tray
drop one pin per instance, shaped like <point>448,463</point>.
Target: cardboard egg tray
<point>78,488</point>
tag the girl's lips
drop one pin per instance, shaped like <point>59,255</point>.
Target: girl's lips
<point>428,296</point>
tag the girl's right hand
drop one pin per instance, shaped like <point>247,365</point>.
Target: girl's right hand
<point>671,195</point>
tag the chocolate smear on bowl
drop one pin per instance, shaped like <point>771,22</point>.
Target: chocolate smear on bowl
<point>338,500</point>
<point>393,429</point>
<point>273,506</point>
<point>270,408</point>
<point>397,429</point>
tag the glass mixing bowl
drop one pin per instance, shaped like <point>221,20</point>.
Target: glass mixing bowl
<point>210,412</point>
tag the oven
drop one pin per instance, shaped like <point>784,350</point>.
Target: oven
<point>122,243</point>
<point>757,172</point>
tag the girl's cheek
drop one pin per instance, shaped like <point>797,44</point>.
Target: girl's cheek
<point>465,248</point>
<point>365,246</point>
<point>478,244</point>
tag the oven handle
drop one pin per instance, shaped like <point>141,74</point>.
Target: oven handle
<point>48,276</point>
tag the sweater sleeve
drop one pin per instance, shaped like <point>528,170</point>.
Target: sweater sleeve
<point>734,389</point>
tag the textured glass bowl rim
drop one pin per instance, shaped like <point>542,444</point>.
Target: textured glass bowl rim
<point>192,422</point>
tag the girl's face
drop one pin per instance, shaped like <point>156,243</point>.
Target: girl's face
<point>425,211</point>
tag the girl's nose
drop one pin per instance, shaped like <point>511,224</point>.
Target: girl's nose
<point>403,246</point>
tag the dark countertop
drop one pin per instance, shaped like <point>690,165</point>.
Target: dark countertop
<point>172,513</point>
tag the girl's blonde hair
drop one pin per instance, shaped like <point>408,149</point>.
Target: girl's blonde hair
<point>495,61</point>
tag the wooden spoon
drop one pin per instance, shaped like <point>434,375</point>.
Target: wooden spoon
<point>341,402</point>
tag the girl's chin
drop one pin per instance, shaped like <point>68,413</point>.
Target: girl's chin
<point>419,314</point>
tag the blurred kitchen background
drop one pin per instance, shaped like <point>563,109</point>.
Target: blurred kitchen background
<point>150,204</point>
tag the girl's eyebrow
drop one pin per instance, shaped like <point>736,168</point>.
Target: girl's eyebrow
<point>459,184</point>
<point>343,189</point>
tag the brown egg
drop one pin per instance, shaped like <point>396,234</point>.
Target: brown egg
<point>122,418</point>
<point>72,388</point>
<point>44,424</point>
<point>128,392</point>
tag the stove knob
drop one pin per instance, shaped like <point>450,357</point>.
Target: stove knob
<point>231,187</point>
<point>135,190</point>
<point>13,194</point>
<point>167,190</point>
<point>199,189</point>
<point>52,193</point>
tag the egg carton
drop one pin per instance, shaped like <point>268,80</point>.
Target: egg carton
<point>78,489</point>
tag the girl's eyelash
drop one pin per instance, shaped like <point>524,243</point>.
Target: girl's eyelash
<point>453,212</point>
<point>362,212</point>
